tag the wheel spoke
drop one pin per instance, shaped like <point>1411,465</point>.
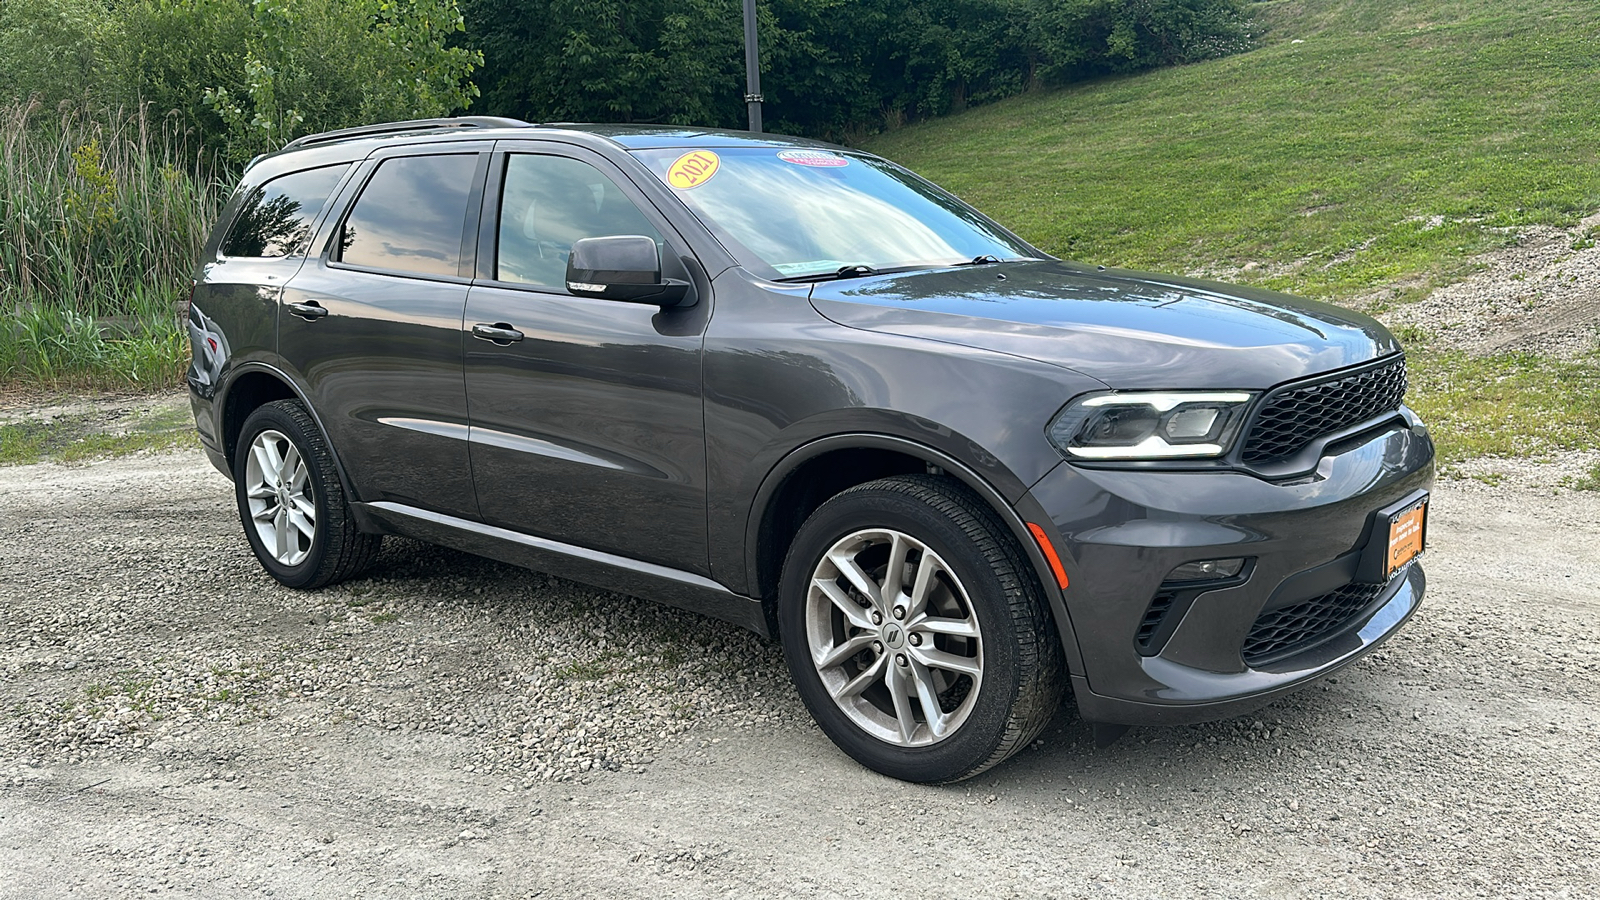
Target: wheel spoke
<point>939,659</point>
<point>290,470</point>
<point>267,513</point>
<point>303,524</point>
<point>894,575</point>
<point>266,454</point>
<point>844,651</point>
<point>261,492</point>
<point>928,693</point>
<point>280,525</point>
<point>937,625</point>
<point>927,567</point>
<point>852,571</point>
<point>851,609</point>
<point>304,506</point>
<point>902,703</point>
<point>862,681</point>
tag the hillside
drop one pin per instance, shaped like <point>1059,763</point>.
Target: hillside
<point>1366,146</point>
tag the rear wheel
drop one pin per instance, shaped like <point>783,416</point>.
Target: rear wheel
<point>915,631</point>
<point>292,503</point>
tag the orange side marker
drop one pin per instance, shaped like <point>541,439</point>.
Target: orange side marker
<point>1049,552</point>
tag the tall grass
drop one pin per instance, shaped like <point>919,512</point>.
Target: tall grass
<point>102,215</point>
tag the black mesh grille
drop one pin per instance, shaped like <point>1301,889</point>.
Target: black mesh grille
<point>1159,607</point>
<point>1293,417</point>
<point>1281,632</point>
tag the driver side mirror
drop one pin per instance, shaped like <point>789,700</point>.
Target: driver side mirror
<point>622,267</point>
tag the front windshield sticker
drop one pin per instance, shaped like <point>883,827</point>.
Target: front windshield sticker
<point>693,169</point>
<point>821,159</point>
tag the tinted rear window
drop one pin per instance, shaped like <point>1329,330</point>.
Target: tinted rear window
<point>277,217</point>
<point>410,215</point>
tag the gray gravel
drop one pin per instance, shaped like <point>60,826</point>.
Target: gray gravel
<point>178,725</point>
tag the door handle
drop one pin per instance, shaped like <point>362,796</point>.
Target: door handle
<point>311,310</point>
<point>499,332</point>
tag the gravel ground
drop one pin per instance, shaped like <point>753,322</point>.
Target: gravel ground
<point>178,725</point>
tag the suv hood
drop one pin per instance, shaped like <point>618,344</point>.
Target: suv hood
<point>1127,329</point>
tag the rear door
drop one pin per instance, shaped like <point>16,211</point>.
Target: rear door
<point>588,426</point>
<point>373,326</point>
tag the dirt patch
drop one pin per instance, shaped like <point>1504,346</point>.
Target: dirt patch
<point>75,428</point>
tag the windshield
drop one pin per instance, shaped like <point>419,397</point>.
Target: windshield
<point>816,213</point>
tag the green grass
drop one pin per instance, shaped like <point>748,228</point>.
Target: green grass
<point>1368,148</point>
<point>1510,405</point>
<point>1388,148</point>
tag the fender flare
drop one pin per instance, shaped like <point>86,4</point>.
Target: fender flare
<point>952,466</point>
<point>221,406</point>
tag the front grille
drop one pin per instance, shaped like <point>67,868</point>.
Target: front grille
<point>1293,417</point>
<point>1284,632</point>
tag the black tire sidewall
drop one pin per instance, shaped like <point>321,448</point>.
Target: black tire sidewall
<point>276,417</point>
<point>985,728</point>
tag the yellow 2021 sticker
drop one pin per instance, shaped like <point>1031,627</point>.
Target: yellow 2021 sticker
<point>693,169</point>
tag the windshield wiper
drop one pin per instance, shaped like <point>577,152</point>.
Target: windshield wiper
<point>855,271</point>
<point>984,260</point>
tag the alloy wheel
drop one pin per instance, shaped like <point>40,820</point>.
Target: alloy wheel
<point>894,638</point>
<point>283,508</point>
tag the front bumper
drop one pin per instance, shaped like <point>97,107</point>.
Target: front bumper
<point>1146,659</point>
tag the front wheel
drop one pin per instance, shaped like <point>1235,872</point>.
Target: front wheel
<point>915,631</point>
<point>292,503</point>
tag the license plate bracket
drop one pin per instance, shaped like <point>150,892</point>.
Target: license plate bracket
<point>1407,536</point>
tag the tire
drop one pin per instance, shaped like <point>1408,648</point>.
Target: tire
<point>965,631</point>
<point>291,502</point>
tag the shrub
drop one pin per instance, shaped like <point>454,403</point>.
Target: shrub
<point>54,49</point>
<point>101,220</point>
<point>1075,39</point>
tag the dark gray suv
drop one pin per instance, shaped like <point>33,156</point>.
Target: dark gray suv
<point>801,389</point>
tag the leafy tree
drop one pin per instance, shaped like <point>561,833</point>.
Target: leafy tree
<point>830,68</point>
<point>247,75</point>
<point>52,49</point>
<point>1075,39</point>
<point>676,62</point>
<point>254,75</point>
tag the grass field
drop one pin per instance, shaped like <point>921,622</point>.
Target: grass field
<point>1365,144</point>
<point>1368,150</point>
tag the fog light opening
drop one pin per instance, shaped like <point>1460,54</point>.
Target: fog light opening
<point>1205,570</point>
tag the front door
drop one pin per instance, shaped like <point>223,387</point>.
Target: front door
<point>587,423</point>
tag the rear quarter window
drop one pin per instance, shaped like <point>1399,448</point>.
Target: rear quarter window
<point>276,218</point>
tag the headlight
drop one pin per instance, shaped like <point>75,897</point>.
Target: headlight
<point>1164,425</point>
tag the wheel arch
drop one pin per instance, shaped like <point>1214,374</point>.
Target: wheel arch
<point>821,469</point>
<point>253,386</point>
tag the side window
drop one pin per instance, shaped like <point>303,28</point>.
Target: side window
<point>276,220</point>
<point>410,215</point>
<point>548,203</point>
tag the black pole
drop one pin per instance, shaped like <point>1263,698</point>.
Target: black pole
<point>752,67</point>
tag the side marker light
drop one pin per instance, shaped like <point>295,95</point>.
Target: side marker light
<point>1049,552</point>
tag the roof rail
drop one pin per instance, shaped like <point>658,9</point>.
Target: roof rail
<point>360,131</point>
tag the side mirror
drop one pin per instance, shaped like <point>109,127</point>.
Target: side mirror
<point>622,267</point>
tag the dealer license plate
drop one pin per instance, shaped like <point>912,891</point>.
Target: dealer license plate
<point>1407,531</point>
